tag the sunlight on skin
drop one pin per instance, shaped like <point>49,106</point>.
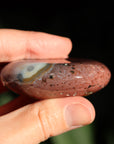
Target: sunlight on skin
<point>38,121</point>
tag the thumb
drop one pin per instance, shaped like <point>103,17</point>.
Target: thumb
<point>36,122</point>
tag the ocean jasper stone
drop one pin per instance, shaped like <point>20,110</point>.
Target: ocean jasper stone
<point>55,78</point>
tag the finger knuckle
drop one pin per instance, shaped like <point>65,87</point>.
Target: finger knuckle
<point>42,118</point>
<point>33,45</point>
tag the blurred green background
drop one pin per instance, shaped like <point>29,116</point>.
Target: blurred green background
<point>90,26</point>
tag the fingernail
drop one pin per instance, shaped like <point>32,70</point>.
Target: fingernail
<point>77,115</point>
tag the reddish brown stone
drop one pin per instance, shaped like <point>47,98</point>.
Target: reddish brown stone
<point>79,77</point>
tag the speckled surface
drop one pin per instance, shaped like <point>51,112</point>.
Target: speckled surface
<point>79,77</point>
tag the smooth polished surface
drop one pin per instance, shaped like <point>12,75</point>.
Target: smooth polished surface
<point>55,78</point>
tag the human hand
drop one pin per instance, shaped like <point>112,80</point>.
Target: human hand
<point>30,121</point>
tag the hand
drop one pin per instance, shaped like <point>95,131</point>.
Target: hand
<point>31,122</point>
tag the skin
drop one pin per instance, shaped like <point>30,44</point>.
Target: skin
<point>25,120</point>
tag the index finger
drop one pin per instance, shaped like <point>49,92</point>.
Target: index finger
<point>17,44</point>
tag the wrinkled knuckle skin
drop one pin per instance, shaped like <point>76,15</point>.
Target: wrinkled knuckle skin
<point>42,119</point>
<point>45,133</point>
<point>30,48</point>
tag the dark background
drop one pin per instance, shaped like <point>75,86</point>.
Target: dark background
<point>90,26</point>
